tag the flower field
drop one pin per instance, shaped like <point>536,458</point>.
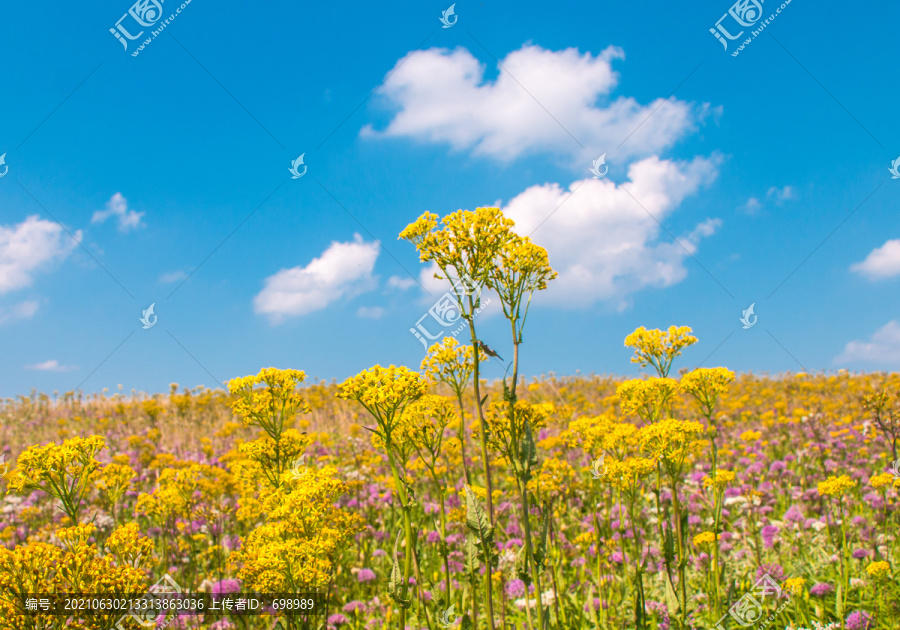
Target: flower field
<point>427,497</point>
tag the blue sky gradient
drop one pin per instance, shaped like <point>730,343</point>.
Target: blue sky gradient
<point>791,143</point>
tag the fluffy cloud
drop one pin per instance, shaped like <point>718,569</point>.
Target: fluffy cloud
<point>882,262</point>
<point>51,366</point>
<point>882,347</point>
<point>441,96</point>
<point>29,246</point>
<point>117,207</point>
<point>344,269</point>
<point>603,244</point>
<point>22,310</point>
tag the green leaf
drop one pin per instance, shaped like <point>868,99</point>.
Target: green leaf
<point>838,603</point>
<point>477,520</point>
<point>472,564</point>
<point>672,603</point>
<point>522,571</point>
<point>527,450</point>
<point>395,583</point>
<point>483,400</point>
<point>668,546</point>
<point>466,623</point>
<point>396,577</point>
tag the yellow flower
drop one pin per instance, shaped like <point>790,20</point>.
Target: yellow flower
<point>451,363</point>
<point>658,348</point>
<point>879,481</point>
<point>706,385</point>
<point>62,471</point>
<point>795,585</point>
<point>671,442</point>
<point>878,569</point>
<point>722,478</point>
<point>384,393</point>
<point>706,538</point>
<point>751,436</point>
<point>274,405</point>
<point>646,398</point>
<point>836,486</point>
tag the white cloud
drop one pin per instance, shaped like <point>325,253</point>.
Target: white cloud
<point>28,246</point>
<point>344,269</point>
<point>51,366</point>
<point>175,276</point>
<point>402,283</point>
<point>442,97</point>
<point>117,206</point>
<point>882,262</point>
<point>603,244</point>
<point>776,195</point>
<point>22,310</point>
<point>370,312</point>
<point>752,206</point>
<point>882,347</point>
<point>780,195</point>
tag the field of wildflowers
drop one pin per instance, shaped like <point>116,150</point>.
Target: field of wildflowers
<point>428,497</point>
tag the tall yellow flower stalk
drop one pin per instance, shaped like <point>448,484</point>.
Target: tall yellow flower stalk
<point>271,400</point>
<point>453,364</point>
<point>385,393</point>
<point>426,420</point>
<point>465,251</point>
<point>705,385</point>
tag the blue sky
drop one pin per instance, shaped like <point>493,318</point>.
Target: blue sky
<point>164,178</point>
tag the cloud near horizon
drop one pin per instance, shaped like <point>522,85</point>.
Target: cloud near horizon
<point>882,347</point>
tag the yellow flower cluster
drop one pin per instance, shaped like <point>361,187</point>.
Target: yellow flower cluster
<point>721,479</point>
<point>269,399</point>
<point>878,569</point>
<point>671,440</point>
<point>450,363</point>
<point>384,392</point>
<point>646,398</point>
<point>626,474</point>
<point>751,436</point>
<point>836,486</point>
<point>706,385</point>
<point>795,585</point>
<point>62,471</point>
<point>882,480</point>
<point>705,538</point>
<point>658,348</point>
